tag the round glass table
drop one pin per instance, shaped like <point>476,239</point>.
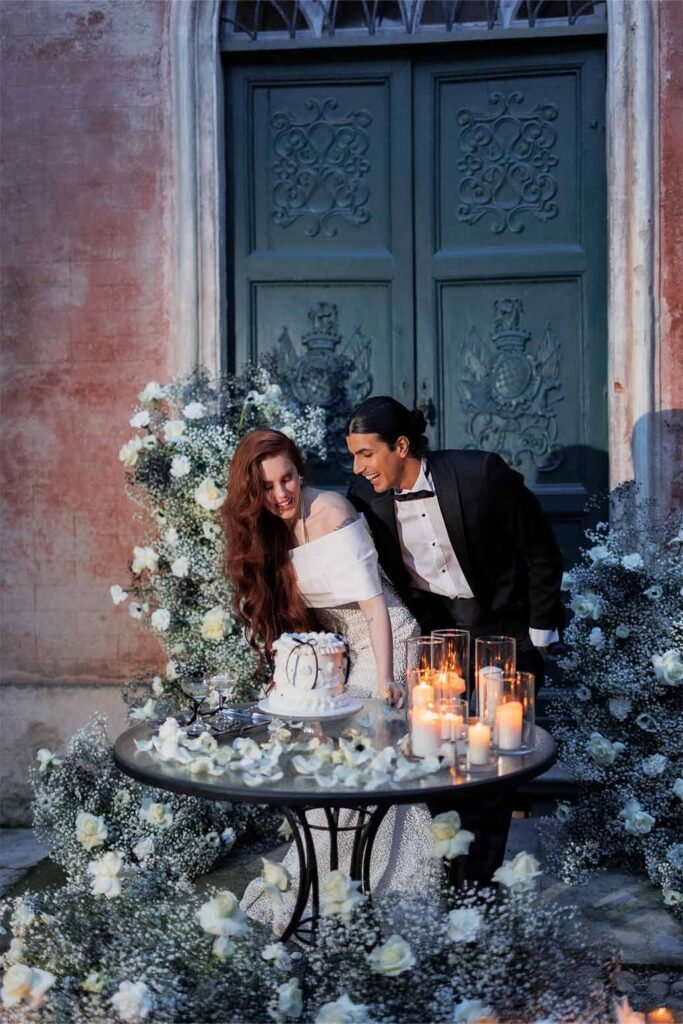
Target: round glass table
<point>299,795</point>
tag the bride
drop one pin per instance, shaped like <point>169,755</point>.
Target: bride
<point>303,559</point>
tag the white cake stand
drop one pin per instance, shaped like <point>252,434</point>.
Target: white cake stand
<point>350,708</point>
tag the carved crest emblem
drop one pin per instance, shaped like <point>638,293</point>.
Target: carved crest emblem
<point>321,375</point>
<point>509,394</point>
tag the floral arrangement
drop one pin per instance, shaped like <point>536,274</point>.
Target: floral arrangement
<point>177,466</point>
<point>619,728</point>
<point>88,814</point>
<point>349,761</point>
<point>141,948</point>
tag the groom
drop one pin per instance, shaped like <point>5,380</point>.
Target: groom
<point>465,543</point>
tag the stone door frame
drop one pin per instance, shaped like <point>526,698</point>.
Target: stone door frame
<point>199,258</point>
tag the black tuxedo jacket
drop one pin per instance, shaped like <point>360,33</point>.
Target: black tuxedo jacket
<point>500,535</point>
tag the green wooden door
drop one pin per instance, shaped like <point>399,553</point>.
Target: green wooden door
<point>323,227</point>
<point>441,223</point>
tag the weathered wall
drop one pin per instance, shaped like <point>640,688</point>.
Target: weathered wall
<point>671,246</point>
<point>84,245</point>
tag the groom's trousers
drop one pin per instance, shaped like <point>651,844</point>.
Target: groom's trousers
<point>487,816</point>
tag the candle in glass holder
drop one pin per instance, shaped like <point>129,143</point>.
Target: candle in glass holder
<point>423,694</point>
<point>480,743</point>
<point>451,725</point>
<point>425,732</point>
<point>509,725</point>
<point>660,1016</point>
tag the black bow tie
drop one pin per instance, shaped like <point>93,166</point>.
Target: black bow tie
<point>413,495</point>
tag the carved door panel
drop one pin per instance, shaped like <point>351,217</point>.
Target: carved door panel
<point>323,228</point>
<point>511,280</point>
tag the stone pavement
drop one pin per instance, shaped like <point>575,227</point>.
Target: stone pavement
<point>622,911</point>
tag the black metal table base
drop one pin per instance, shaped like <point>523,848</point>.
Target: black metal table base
<point>365,827</point>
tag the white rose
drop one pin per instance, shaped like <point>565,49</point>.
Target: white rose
<point>586,606</point>
<point>173,430</point>
<point>90,830</point>
<point>152,392</point>
<point>599,553</point>
<point>620,708</point>
<point>157,686</point>
<point>638,822</point>
<point>136,610</point>
<point>582,692</point>
<point>228,837</point>
<point>678,788</point>
<point>223,948</point>
<point>672,897</point>
<point>161,619</point>
<point>275,874</point>
<point>213,624</point>
<point>144,848</point>
<point>473,1011</point>
<point>519,873</point>
<point>133,1002</point>
<point>144,558</point>
<point>654,592</point>
<point>195,411</point>
<point>180,567</point>
<point>343,1011</point>
<point>209,496</point>
<point>288,432</point>
<point>105,871</point>
<point>22,983</point>
<point>622,631</point>
<point>211,531</point>
<point>668,667</point>
<point>634,561</point>
<point>464,924</point>
<point>602,751</point>
<point>289,999</point>
<point>180,466</point>
<point>22,918</point>
<point>646,722</point>
<point>273,392</point>
<point>129,453</point>
<point>46,760</point>
<point>596,638</point>
<point>392,958</point>
<point>118,594</point>
<point>275,954</point>
<point>654,765</point>
<point>156,814</point>
<point>144,713</point>
<point>563,811</point>
<point>140,419</point>
<point>449,839</point>
<point>339,895</point>
<point>222,916</point>
<point>16,952</point>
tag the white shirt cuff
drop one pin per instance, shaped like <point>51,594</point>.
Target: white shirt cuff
<point>543,637</point>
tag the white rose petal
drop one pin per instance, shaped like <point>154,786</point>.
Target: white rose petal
<point>144,713</point>
<point>223,916</point>
<point>343,1011</point>
<point>289,999</point>
<point>599,553</point>
<point>144,558</point>
<point>133,1002</point>
<point>449,839</point>
<point>46,760</point>
<point>596,638</point>
<point>173,430</point>
<point>140,419</point>
<point>16,952</point>
<point>180,466</point>
<point>275,874</point>
<point>339,895</point>
<point>22,983</point>
<point>129,453</point>
<point>655,765</point>
<point>392,957</point>
<point>105,871</point>
<point>209,496</point>
<point>195,411</point>
<point>669,667</point>
<point>464,924</point>
<point>520,873</point>
<point>161,619</point>
<point>171,671</point>
<point>144,848</point>
<point>275,954</point>
<point>180,567</point>
<point>620,708</point>
<point>118,594</point>
<point>90,830</point>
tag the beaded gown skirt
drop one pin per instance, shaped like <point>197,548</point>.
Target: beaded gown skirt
<point>401,856</point>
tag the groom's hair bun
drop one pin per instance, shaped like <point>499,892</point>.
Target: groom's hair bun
<point>387,417</point>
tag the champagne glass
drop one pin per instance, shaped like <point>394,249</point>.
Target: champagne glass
<point>197,688</point>
<point>223,684</point>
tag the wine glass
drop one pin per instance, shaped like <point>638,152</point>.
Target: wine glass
<point>197,688</point>
<point>223,684</point>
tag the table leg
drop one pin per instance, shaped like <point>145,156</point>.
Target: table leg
<point>304,928</point>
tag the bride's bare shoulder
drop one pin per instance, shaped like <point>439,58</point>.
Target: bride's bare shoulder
<point>331,511</point>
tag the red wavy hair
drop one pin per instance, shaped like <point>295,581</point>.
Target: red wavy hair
<point>266,598</point>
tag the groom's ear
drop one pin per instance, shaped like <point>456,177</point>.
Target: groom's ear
<point>402,447</point>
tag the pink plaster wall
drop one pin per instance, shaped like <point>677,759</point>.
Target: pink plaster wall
<point>671,245</point>
<point>84,249</point>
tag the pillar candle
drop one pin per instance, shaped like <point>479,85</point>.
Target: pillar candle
<point>509,725</point>
<point>423,694</point>
<point>451,725</point>
<point>425,732</point>
<point>480,743</point>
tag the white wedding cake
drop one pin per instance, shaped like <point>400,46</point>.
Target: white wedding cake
<point>309,674</point>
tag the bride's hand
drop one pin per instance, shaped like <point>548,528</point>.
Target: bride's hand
<point>393,693</point>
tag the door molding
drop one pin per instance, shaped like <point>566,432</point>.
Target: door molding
<point>199,264</point>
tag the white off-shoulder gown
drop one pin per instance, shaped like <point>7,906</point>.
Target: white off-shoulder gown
<point>334,573</point>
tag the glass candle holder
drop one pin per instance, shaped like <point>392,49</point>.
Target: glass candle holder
<point>455,662</point>
<point>515,716</point>
<point>423,660</point>
<point>495,659</point>
<point>479,737</point>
